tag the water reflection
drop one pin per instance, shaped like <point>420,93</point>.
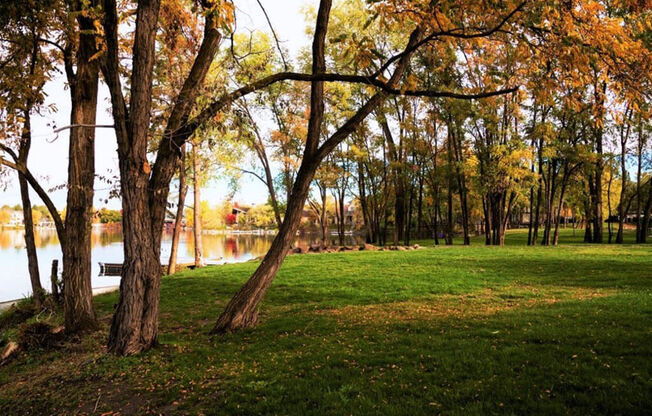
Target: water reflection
<point>107,248</point>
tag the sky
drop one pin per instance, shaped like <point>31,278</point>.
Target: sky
<point>48,159</point>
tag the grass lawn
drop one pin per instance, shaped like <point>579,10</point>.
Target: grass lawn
<point>451,330</point>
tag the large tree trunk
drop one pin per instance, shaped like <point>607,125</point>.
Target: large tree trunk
<point>77,291</point>
<point>178,220</point>
<point>197,220</point>
<point>134,327</point>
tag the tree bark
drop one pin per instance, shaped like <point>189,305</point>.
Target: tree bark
<point>599,167</point>
<point>197,220</point>
<point>622,211</point>
<point>77,291</point>
<point>176,232</point>
<point>134,327</point>
<point>30,246</point>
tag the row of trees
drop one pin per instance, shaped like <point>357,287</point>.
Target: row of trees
<point>515,101</point>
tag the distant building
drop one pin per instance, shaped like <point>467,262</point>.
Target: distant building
<point>237,213</point>
<point>45,222</point>
<point>17,219</point>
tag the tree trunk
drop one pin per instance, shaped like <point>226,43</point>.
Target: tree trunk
<point>241,311</point>
<point>645,223</point>
<point>639,164</point>
<point>134,326</point>
<point>30,245</point>
<point>535,228</point>
<point>599,167</point>
<point>77,291</point>
<point>197,225</point>
<point>610,224</point>
<point>176,232</point>
<point>622,212</point>
<point>461,183</point>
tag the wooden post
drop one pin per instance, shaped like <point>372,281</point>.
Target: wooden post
<point>54,279</point>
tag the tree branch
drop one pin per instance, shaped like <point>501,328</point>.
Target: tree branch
<point>24,171</point>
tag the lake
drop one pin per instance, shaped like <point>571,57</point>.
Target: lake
<point>107,248</point>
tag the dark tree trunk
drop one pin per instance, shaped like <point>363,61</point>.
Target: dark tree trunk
<point>30,246</point>
<point>529,225</point>
<point>420,206</point>
<point>588,212</point>
<point>562,195</point>
<point>610,224</point>
<point>197,220</point>
<point>645,222</point>
<point>178,220</point>
<point>77,291</point>
<point>537,211</point>
<point>639,165</point>
<point>451,179</point>
<point>622,211</point>
<point>399,183</point>
<point>461,184</point>
<point>134,327</point>
<point>599,167</point>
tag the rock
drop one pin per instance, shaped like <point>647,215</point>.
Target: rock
<point>298,250</point>
<point>344,248</point>
<point>11,349</point>
<point>416,247</point>
<point>317,249</point>
<point>368,247</point>
<point>58,330</point>
<point>399,248</point>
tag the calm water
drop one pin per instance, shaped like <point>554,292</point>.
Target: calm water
<point>107,248</point>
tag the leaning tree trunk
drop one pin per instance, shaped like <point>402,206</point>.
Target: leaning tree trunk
<point>241,311</point>
<point>30,245</point>
<point>176,232</point>
<point>77,291</point>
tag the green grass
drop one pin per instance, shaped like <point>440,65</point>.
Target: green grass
<point>451,330</point>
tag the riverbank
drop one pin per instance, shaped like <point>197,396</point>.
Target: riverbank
<point>96,291</point>
<point>453,330</point>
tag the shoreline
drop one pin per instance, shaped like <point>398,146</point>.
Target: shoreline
<point>96,291</point>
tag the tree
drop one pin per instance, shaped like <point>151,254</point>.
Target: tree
<point>242,309</point>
